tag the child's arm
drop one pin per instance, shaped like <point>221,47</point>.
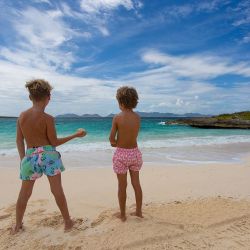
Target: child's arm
<point>20,140</point>
<point>113,132</point>
<point>52,136</point>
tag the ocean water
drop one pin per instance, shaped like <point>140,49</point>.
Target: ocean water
<point>155,136</point>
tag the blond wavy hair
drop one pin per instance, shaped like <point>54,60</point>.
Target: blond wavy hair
<point>38,89</point>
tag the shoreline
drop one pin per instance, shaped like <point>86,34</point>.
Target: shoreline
<point>234,153</point>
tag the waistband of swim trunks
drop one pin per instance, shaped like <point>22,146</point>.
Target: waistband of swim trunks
<point>37,150</point>
<point>127,149</point>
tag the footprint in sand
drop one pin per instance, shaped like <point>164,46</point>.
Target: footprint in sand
<point>80,224</point>
<point>37,212</point>
<point>102,216</point>
<point>41,202</point>
<point>4,216</point>
<point>10,209</point>
<point>177,202</point>
<point>55,220</point>
<point>169,224</point>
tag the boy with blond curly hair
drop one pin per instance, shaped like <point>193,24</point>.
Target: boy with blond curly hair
<point>37,129</point>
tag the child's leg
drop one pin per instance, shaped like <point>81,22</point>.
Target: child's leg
<point>57,191</point>
<point>24,195</point>
<point>122,195</point>
<point>135,181</point>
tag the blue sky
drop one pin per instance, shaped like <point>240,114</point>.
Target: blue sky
<point>182,56</point>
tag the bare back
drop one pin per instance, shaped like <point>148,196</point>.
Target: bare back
<point>128,126</point>
<point>33,126</point>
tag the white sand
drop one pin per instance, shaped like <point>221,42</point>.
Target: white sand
<point>185,207</point>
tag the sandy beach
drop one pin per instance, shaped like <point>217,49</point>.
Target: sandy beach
<point>97,83</point>
<point>185,207</point>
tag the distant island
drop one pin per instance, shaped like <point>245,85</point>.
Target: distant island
<point>77,116</point>
<point>238,120</point>
<point>142,114</point>
<point>8,117</point>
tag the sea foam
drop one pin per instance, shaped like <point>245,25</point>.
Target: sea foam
<point>148,144</point>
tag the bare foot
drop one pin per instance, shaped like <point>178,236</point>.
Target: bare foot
<point>15,229</point>
<point>118,215</point>
<point>138,214</point>
<point>68,225</point>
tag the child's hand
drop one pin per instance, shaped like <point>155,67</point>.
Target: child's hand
<point>80,132</point>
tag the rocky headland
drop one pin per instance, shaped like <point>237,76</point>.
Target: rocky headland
<point>240,120</point>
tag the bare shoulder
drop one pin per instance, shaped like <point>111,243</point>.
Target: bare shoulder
<point>23,115</point>
<point>48,118</point>
<point>117,117</point>
<point>137,116</point>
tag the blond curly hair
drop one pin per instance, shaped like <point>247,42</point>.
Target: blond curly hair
<point>38,89</point>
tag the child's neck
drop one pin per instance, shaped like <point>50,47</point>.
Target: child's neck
<point>38,106</point>
<point>127,110</point>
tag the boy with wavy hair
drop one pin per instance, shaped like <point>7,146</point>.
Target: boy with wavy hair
<point>37,129</point>
<point>127,156</point>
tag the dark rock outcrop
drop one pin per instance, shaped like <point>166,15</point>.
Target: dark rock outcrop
<point>233,121</point>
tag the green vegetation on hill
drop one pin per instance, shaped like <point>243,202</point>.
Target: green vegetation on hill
<point>245,115</point>
<point>239,120</point>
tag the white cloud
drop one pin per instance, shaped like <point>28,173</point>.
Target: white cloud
<point>195,66</point>
<point>210,5</point>
<point>96,6</point>
<point>41,34</point>
<point>179,10</point>
<point>103,30</point>
<point>179,102</point>
<point>70,93</point>
<point>44,39</point>
<point>43,1</point>
<point>246,39</point>
<point>43,29</point>
<point>242,12</point>
<point>183,84</point>
<point>41,59</point>
<point>158,91</point>
<point>184,10</point>
<point>171,84</point>
<point>98,13</point>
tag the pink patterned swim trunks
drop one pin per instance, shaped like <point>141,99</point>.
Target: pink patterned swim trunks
<point>127,159</point>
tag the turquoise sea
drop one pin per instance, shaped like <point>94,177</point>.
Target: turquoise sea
<point>154,135</point>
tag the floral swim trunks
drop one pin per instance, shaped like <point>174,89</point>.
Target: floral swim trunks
<point>40,160</point>
<point>127,159</point>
